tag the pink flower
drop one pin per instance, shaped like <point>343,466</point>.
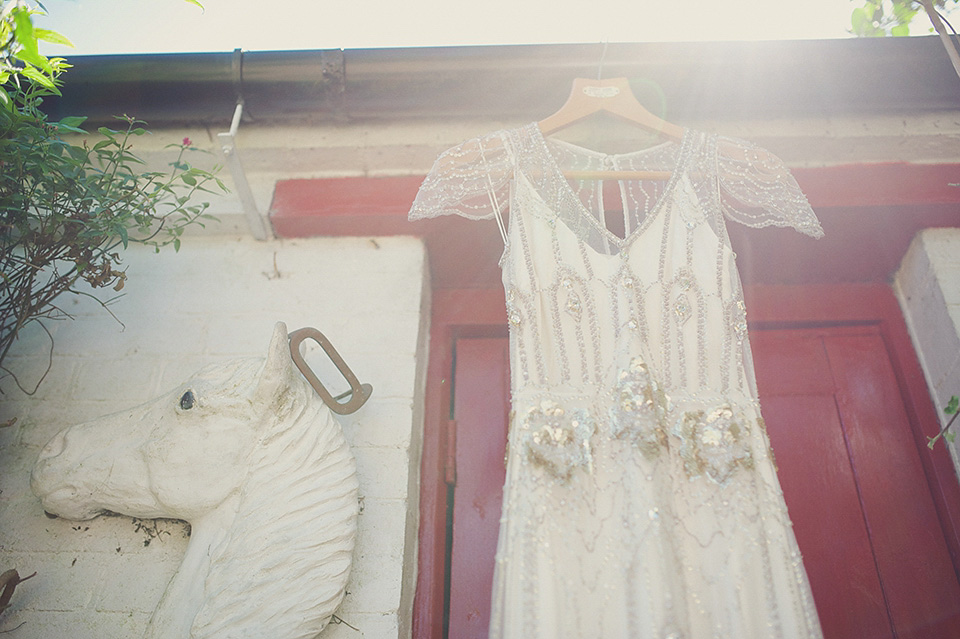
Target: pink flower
<point>187,142</point>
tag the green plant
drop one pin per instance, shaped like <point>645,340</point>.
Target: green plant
<point>67,210</point>
<point>891,17</point>
<point>950,409</point>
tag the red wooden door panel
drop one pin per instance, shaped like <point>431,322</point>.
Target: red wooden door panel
<point>481,408</point>
<point>820,489</point>
<point>912,558</point>
<point>850,470</point>
<point>851,474</point>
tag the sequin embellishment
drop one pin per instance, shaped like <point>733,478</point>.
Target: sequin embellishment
<point>739,320</point>
<point>638,412</point>
<point>558,440</point>
<point>713,443</point>
<point>513,314</point>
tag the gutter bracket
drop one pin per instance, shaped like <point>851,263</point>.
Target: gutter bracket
<point>259,227</point>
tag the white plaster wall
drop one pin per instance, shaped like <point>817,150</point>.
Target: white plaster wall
<point>928,287</point>
<point>217,299</point>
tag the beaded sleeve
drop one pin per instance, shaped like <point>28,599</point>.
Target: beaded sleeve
<point>757,190</point>
<point>471,180</point>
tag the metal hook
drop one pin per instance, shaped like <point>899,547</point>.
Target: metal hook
<point>359,393</point>
<point>603,55</point>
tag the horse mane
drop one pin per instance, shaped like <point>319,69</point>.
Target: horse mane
<point>281,571</point>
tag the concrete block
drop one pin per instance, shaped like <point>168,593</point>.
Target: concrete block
<point>384,423</point>
<point>935,334</point>
<point>377,538</point>
<point>948,277</point>
<point>34,341</point>
<point>12,414</point>
<point>17,462</point>
<point>942,246</point>
<point>62,582</point>
<point>392,376</point>
<point>46,380</point>
<point>915,272</point>
<point>151,574</point>
<point>375,586</point>
<point>362,626</point>
<point>84,624</point>
<point>382,472</point>
<point>122,382</point>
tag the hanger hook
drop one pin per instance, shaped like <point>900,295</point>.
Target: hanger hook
<point>603,55</point>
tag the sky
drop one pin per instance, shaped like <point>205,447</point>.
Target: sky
<point>155,26</point>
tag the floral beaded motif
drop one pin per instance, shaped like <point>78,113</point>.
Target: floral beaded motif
<point>638,412</point>
<point>558,440</point>
<point>713,443</point>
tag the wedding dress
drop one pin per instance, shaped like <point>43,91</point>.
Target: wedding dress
<point>641,498</point>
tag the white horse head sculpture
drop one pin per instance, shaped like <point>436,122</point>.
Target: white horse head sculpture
<point>250,456</point>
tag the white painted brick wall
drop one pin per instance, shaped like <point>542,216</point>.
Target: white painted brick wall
<point>928,287</point>
<point>216,300</point>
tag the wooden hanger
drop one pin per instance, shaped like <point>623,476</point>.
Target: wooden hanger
<point>611,96</point>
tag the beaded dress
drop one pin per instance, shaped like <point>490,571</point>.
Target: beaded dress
<point>641,498</point>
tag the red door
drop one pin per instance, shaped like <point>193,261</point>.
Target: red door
<point>481,405</point>
<point>851,473</point>
<point>862,510</point>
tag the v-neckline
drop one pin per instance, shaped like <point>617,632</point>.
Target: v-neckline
<point>567,191</point>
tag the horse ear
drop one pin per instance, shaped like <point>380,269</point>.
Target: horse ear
<point>277,373</point>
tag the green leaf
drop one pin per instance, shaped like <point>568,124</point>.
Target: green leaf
<point>35,59</point>
<point>952,405</point>
<point>949,436</point>
<point>900,31</point>
<point>73,121</point>
<point>23,29</point>
<point>195,2</point>
<point>122,231</point>
<point>176,245</point>
<point>860,21</point>
<point>39,78</point>
<point>52,37</point>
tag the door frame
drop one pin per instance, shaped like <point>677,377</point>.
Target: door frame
<point>459,313</point>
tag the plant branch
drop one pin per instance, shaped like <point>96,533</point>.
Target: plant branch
<point>945,39</point>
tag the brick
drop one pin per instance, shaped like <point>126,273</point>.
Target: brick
<point>934,333</point>
<point>368,626</point>
<point>17,462</point>
<point>45,379</point>
<point>948,277</point>
<point>915,272</point>
<point>150,574</point>
<point>86,624</point>
<point>382,472</point>
<point>386,423</point>
<point>62,581</point>
<point>121,382</point>
<point>942,246</point>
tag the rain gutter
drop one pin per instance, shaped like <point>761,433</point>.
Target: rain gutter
<point>708,80</point>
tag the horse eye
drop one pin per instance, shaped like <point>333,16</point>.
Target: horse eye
<point>187,400</point>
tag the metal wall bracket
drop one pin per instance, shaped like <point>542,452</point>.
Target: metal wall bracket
<point>358,393</point>
<point>228,143</point>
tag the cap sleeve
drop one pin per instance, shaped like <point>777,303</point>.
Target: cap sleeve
<point>757,190</point>
<point>471,179</point>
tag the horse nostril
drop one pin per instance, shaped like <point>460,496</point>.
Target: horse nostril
<point>50,515</point>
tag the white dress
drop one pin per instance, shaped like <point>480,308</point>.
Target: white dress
<point>641,498</point>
